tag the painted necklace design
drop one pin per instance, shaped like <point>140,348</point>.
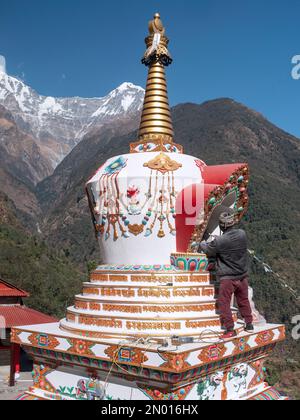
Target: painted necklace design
<point>115,208</point>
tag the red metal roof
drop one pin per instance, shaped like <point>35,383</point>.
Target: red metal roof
<point>9,290</point>
<point>18,316</point>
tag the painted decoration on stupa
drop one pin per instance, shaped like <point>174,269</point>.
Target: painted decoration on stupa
<point>133,203</point>
<point>157,204</point>
<point>156,200</point>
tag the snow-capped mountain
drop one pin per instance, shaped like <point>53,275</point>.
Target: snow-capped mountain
<point>59,124</point>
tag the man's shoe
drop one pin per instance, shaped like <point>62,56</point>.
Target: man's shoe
<point>228,334</point>
<point>249,328</point>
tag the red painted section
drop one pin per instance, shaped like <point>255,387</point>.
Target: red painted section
<point>188,206</point>
<point>191,200</point>
<point>184,230</point>
<point>219,174</point>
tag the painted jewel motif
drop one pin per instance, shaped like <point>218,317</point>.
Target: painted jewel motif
<point>264,338</point>
<point>212,353</point>
<point>43,340</point>
<point>126,355</point>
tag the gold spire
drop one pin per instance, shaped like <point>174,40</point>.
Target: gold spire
<point>156,129</point>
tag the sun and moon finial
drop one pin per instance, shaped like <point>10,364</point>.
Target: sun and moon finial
<point>157,44</point>
<point>156,133</point>
<point>156,25</point>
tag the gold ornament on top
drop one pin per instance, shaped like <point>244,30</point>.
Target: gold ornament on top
<point>156,25</point>
<point>156,133</point>
<point>157,44</point>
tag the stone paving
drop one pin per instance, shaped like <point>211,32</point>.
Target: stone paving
<point>22,384</point>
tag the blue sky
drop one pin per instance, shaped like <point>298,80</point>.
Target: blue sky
<point>240,49</point>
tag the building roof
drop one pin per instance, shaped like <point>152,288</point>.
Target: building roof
<point>9,290</point>
<point>18,316</point>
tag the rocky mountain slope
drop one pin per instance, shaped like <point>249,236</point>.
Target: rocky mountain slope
<point>59,124</point>
<point>22,165</point>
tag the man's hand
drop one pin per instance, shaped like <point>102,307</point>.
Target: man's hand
<point>209,248</point>
<point>203,245</point>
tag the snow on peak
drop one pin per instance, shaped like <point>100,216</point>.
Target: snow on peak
<point>48,106</point>
<point>12,86</point>
<point>2,64</point>
<point>124,88</point>
<point>128,86</point>
<point>126,97</point>
<point>64,120</point>
<point>127,101</point>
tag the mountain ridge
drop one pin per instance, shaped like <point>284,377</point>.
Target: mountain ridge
<point>58,124</point>
<point>22,166</point>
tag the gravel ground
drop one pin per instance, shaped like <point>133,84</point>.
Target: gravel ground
<point>8,393</point>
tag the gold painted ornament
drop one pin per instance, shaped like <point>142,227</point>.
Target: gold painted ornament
<point>163,163</point>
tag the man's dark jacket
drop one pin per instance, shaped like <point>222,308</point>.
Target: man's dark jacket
<point>231,253</point>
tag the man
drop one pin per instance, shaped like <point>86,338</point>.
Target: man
<point>231,253</point>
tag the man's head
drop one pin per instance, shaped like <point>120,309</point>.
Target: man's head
<point>227,220</point>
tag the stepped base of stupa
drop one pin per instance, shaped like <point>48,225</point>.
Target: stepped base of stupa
<point>142,302</point>
<point>123,340</point>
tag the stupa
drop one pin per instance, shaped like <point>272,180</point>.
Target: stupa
<point>146,326</point>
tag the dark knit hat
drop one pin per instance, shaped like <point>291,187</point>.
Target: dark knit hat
<point>227,219</point>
